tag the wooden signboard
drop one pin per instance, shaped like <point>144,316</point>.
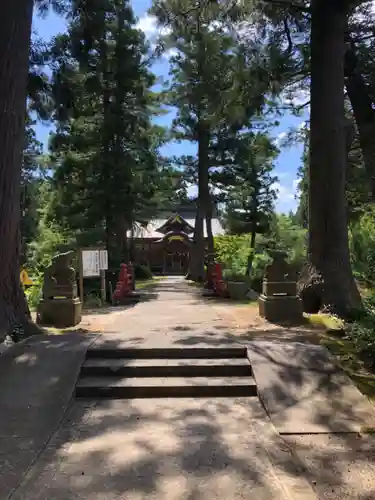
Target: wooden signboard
<point>93,262</point>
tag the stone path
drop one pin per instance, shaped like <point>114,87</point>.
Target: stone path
<point>173,313</point>
<point>173,449</point>
<point>166,449</point>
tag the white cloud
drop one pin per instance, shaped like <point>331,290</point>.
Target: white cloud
<point>192,191</point>
<point>295,97</point>
<point>286,196</point>
<point>149,25</point>
<point>296,186</point>
<point>280,137</point>
<point>287,191</point>
<point>284,192</point>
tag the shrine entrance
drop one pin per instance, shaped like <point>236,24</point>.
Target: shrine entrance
<point>176,255</point>
<point>176,245</point>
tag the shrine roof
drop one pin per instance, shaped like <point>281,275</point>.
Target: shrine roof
<point>151,230</point>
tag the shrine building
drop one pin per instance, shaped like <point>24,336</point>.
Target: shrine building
<point>164,244</point>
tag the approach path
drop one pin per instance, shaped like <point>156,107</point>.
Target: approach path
<point>179,448</point>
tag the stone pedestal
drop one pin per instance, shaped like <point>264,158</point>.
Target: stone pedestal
<point>238,290</point>
<point>281,308</point>
<point>279,302</point>
<point>61,313</point>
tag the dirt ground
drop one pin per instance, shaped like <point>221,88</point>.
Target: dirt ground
<point>242,320</point>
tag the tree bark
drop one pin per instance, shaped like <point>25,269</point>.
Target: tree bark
<point>250,258</point>
<point>196,268</point>
<point>14,62</point>
<point>210,243</point>
<point>196,262</point>
<point>364,114</point>
<point>327,281</point>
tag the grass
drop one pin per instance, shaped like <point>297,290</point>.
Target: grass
<point>333,337</point>
<point>195,283</point>
<point>244,302</point>
<point>345,352</point>
<point>141,284</point>
<point>325,321</point>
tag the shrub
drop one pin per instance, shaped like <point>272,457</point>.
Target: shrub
<point>233,250</point>
<point>33,295</point>
<point>362,334</point>
<point>230,275</point>
<point>142,272</point>
<point>93,300</point>
<point>362,247</point>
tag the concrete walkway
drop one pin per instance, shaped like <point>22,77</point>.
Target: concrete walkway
<point>171,313</point>
<point>169,449</point>
<point>37,378</point>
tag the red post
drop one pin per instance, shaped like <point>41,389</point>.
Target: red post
<point>123,284</point>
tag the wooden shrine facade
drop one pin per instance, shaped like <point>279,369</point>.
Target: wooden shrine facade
<point>164,245</point>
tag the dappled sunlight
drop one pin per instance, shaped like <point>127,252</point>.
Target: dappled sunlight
<point>29,358</point>
<point>305,391</point>
<point>140,449</point>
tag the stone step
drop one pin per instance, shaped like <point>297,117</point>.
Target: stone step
<point>160,387</point>
<point>103,350</point>
<point>232,367</point>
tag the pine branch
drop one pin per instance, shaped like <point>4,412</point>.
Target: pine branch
<point>298,108</point>
<point>288,35</point>
<point>289,3</point>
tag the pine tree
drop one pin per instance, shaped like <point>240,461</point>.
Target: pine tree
<point>209,89</point>
<point>327,281</point>
<point>251,191</point>
<point>105,149</point>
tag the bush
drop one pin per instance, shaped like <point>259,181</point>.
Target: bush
<point>362,334</point>
<point>232,251</point>
<point>362,247</point>
<point>93,300</point>
<point>229,275</point>
<point>142,272</point>
<point>33,295</point>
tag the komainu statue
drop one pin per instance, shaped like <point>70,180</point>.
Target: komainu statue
<point>60,277</point>
<point>279,302</point>
<point>60,305</point>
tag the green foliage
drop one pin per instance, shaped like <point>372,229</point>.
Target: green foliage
<point>233,250</point>
<point>290,237</point>
<point>93,300</point>
<point>249,184</point>
<point>362,334</point>
<point>34,293</point>
<point>108,173</point>
<point>51,239</point>
<point>362,246</point>
<point>216,91</point>
<point>142,272</point>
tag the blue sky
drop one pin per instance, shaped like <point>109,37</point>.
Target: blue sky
<point>289,159</point>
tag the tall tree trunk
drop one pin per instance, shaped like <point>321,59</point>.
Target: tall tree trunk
<point>196,263</point>
<point>254,218</point>
<point>197,252</point>
<point>196,269</point>
<point>364,114</point>
<point>207,201</point>
<point>110,219</point>
<point>210,234</point>
<point>210,240</point>
<point>14,62</point>
<point>327,281</point>
<point>250,258</point>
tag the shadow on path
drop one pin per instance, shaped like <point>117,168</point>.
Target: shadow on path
<point>164,449</point>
